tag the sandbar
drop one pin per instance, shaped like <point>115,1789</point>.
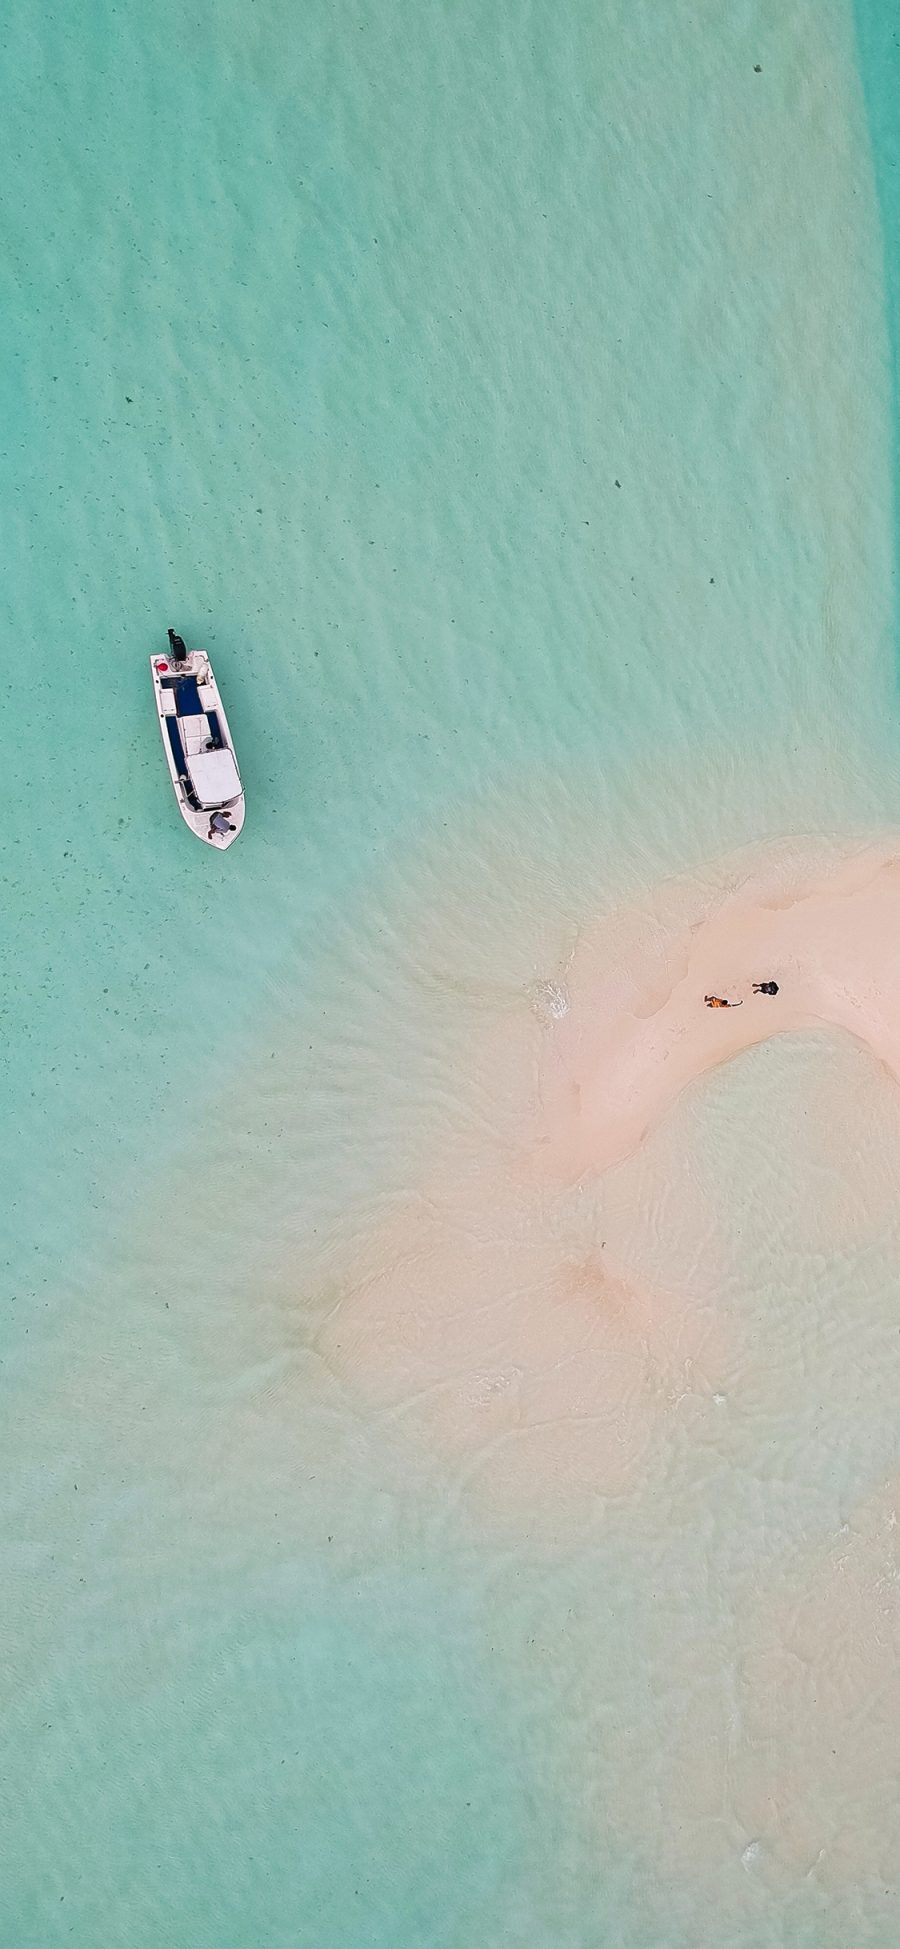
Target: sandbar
<point>636,1033</point>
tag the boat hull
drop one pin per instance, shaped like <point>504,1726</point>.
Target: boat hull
<point>219,821</point>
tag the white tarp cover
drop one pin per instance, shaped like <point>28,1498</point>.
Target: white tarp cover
<point>214,777</point>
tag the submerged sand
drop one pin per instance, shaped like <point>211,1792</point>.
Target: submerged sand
<point>561,1332</point>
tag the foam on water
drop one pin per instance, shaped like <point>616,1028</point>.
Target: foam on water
<point>504,398</point>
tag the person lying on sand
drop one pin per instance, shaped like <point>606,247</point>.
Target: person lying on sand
<point>715,1001</point>
<point>765,987</point>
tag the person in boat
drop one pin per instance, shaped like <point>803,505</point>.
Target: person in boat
<point>718,1001</point>
<point>765,987</point>
<point>177,648</point>
<point>219,825</point>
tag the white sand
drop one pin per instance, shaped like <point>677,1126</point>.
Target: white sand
<point>830,939</point>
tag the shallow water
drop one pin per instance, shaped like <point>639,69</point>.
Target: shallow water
<point>396,1552</point>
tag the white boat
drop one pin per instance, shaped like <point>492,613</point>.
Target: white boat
<point>197,743</point>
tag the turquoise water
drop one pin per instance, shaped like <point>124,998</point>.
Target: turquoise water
<point>505,398</point>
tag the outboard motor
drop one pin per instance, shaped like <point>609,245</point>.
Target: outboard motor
<point>177,649</point>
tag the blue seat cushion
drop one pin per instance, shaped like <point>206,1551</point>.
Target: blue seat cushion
<point>177,746</point>
<point>187,698</point>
